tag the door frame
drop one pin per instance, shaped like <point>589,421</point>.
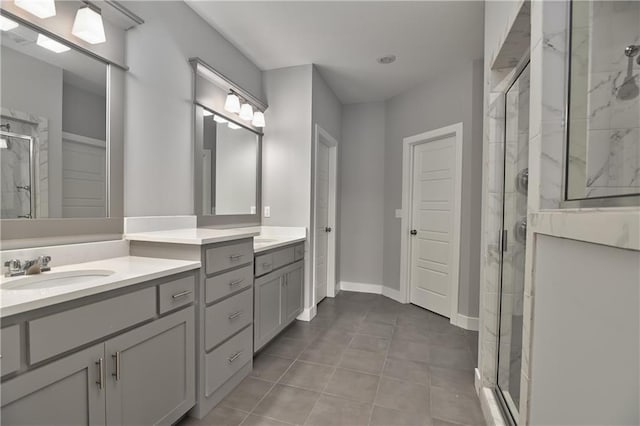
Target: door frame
<point>322,136</point>
<point>409,143</point>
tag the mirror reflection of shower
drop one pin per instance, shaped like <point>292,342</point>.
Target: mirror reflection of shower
<point>18,174</point>
<point>629,88</point>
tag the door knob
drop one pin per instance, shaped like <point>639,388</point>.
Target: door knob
<point>327,229</point>
<point>414,232</point>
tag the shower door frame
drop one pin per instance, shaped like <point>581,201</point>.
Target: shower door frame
<point>32,169</point>
<point>505,406</point>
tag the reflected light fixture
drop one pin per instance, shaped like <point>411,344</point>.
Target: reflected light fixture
<point>88,25</point>
<point>233,126</point>
<point>232,103</point>
<point>3,143</point>
<point>258,119</point>
<point>40,8</point>
<point>7,24</point>
<point>246,112</point>
<point>219,119</point>
<point>54,46</point>
<point>206,113</point>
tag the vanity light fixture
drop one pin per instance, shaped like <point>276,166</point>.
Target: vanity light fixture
<point>246,112</point>
<point>88,25</point>
<point>258,119</point>
<point>7,24</point>
<point>233,126</point>
<point>54,46</point>
<point>40,8</point>
<point>4,144</point>
<point>219,119</point>
<point>232,103</point>
<point>206,113</point>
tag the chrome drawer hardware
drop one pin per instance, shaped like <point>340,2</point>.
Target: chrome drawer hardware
<point>235,315</point>
<point>266,265</point>
<point>116,358</point>
<point>235,256</point>
<point>181,294</point>
<point>235,283</point>
<point>100,382</point>
<point>234,356</point>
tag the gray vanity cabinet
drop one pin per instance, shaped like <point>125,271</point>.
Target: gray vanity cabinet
<point>65,392</point>
<point>278,297</point>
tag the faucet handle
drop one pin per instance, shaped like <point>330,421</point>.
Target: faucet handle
<point>44,263</point>
<point>14,267</point>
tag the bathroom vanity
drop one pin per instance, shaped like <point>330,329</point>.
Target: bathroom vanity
<point>92,354</point>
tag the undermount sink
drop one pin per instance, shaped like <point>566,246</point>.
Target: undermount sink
<point>264,240</point>
<point>54,279</point>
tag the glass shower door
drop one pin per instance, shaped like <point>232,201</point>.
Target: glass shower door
<point>516,159</point>
<point>16,182</point>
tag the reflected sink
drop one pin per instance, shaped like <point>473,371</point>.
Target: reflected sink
<point>264,240</point>
<point>54,279</point>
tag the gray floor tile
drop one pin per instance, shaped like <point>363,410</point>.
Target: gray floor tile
<point>253,420</point>
<point>412,332</point>
<point>268,367</point>
<point>332,411</point>
<point>383,416</point>
<point>451,358</point>
<point>382,317</point>
<point>403,396</point>
<point>449,341</point>
<point>336,335</point>
<point>459,381</point>
<point>219,416</point>
<point>353,385</point>
<point>323,352</point>
<point>376,329</point>
<point>410,371</point>
<point>246,396</point>
<point>454,407</point>
<point>301,330</point>
<point>365,361</point>
<point>365,342</point>
<point>308,376</point>
<point>287,404</point>
<point>285,348</point>
<point>409,350</point>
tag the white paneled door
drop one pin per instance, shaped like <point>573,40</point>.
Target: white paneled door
<point>433,233</point>
<point>322,220</point>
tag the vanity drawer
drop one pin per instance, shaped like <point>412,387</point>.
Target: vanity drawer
<point>224,284</point>
<point>227,256</point>
<point>283,257</point>
<point>298,252</point>
<point>57,333</point>
<point>10,340</point>
<point>264,264</point>
<point>176,293</point>
<point>227,317</point>
<point>225,361</point>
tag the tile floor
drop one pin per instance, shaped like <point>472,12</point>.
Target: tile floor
<point>364,360</point>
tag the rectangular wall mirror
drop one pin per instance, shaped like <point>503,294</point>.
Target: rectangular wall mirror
<point>229,167</point>
<point>603,144</point>
<point>53,146</point>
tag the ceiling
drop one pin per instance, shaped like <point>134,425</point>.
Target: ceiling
<point>344,39</point>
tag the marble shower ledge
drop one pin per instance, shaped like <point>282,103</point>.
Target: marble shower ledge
<point>612,227</point>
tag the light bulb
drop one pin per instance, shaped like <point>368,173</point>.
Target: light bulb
<point>206,113</point>
<point>52,45</point>
<point>246,112</point>
<point>233,126</point>
<point>7,24</point>
<point>232,103</point>
<point>40,8</point>
<point>220,120</point>
<point>88,26</point>
<point>258,119</point>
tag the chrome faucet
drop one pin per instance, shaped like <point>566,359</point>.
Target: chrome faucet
<point>29,267</point>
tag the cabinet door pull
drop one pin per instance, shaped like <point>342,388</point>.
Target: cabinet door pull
<point>235,315</point>
<point>116,360</point>
<point>234,257</point>
<point>234,356</point>
<point>235,283</point>
<point>100,381</point>
<point>181,294</point>
<point>266,265</point>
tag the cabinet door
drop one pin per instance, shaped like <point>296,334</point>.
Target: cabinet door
<point>70,391</point>
<point>294,280</point>
<point>151,372</point>
<point>268,310</point>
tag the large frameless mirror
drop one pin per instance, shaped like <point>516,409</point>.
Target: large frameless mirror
<point>53,145</point>
<point>603,144</point>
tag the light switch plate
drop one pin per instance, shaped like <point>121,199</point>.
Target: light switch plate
<point>398,213</point>
<point>267,211</point>
<point>253,209</point>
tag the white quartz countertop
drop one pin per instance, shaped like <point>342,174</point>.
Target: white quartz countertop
<point>127,270</point>
<point>268,242</point>
<point>197,236</point>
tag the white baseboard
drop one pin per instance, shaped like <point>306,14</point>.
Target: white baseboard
<point>361,287</point>
<point>392,293</point>
<point>468,323</point>
<point>490,408</point>
<point>308,314</point>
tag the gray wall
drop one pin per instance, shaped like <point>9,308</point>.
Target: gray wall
<point>83,112</point>
<point>159,112</point>
<point>451,98</point>
<point>362,195</point>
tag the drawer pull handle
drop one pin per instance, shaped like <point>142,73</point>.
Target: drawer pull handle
<point>266,265</point>
<point>116,358</point>
<point>234,257</point>
<point>235,315</point>
<point>234,356</point>
<point>181,294</point>
<point>235,283</point>
<point>100,381</point>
